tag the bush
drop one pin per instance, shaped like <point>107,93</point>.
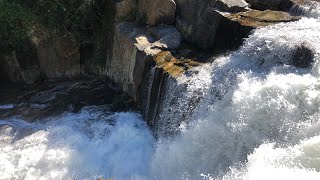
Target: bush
<point>15,22</point>
<point>77,17</point>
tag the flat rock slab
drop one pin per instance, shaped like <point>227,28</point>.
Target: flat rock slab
<point>256,18</point>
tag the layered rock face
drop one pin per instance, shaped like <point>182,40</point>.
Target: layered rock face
<point>133,47</point>
<point>47,60</point>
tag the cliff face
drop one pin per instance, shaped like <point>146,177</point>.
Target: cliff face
<point>148,45</point>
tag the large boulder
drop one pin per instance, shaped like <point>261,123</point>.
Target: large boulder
<point>59,57</point>
<point>271,4</point>
<point>155,12</point>
<point>302,56</point>
<point>16,68</point>
<point>10,70</point>
<point>125,10</point>
<point>203,24</point>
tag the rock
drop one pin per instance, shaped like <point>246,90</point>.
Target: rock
<point>133,47</point>
<point>155,12</point>
<point>43,97</point>
<point>256,18</point>
<point>10,69</point>
<point>279,5</point>
<point>59,57</point>
<point>173,66</point>
<point>232,5</point>
<point>125,10</point>
<point>303,56</point>
<point>17,71</point>
<point>31,75</point>
<point>202,23</point>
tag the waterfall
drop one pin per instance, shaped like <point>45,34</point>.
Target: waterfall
<point>261,117</point>
<point>250,114</point>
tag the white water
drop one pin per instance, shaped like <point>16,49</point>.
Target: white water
<point>259,119</point>
<point>87,145</point>
<point>7,106</point>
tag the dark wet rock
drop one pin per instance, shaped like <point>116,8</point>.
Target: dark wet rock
<point>10,70</point>
<point>282,5</point>
<point>59,57</point>
<point>34,102</point>
<point>303,56</point>
<point>125,10</point>
<point>155,12</point>
<point>202,23</point>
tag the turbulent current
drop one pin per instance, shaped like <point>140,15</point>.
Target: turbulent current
<point>259,119</point>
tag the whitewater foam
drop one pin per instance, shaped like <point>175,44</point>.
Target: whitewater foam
<point>87,145</point>
<point>256,98</point>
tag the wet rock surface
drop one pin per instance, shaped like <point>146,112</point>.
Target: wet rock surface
<point>52,98</point>
<point>303,56</point>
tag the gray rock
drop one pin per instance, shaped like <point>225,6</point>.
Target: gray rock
<point>125,10</point>
<point>303,56</point>
<point>155,12</point>
<point>271,4</point>
<point>59,58</point>
<point>31,76</point>
<point>206,24</point>
<point>133,47</point>
<point>10,69</point>
<point>232,5</point>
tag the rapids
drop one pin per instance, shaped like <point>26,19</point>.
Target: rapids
<point>259,118</point>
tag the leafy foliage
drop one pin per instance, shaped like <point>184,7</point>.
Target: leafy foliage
<point>15,21</point>
<point>18,18</point>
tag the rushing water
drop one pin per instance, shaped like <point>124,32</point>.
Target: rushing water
<point>259,119</point>
<point>88,145</point>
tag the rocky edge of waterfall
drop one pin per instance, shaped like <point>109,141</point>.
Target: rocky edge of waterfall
<point>150,43</point>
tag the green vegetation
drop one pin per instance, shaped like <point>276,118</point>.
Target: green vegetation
<point>15,20</point>
<point>22,19</point>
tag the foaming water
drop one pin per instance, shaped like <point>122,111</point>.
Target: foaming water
<point>86,145</point>
<point>7,106</point>
<point>301,161</point>
<point>261,113</point>
<point>257,116</point>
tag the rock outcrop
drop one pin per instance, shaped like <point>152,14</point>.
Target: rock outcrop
<point>302,56</point>
<point>133,46</point>
<point>209,26</point>
<point>9,67</point>
<point>155,12</point>
<point>59,58</point>
<point>283,5</point>
<point>125,10</point>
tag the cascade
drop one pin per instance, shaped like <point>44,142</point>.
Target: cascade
<point>250,114</point>
<point>260,117</point>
